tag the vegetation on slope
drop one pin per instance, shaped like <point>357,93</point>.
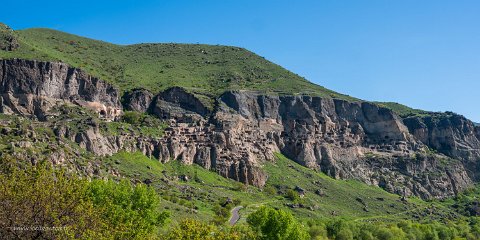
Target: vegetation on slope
<point>43,203</point>
<point>191,191</point>
<point>39,202</point>
<point>203,69</point>
<point>328,208</point>
<point>402,110</point>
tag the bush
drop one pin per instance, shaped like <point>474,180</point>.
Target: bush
<point>134,118</point>
<point>44,203</point>
<point>292,195</point>
<point>274,224</point>
<point>270,190</point>
<point>48,204</point>
<point>131,210</point>
<point>240,187</point>
<point>405,230</point>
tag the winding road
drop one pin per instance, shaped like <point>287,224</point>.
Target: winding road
<point>235,215</point>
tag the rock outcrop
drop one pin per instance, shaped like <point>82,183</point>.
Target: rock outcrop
<point>450,134</point>
<point>31,88</point>
<point>358,140</point>
<point>137,100</point>
<point>346,140</point>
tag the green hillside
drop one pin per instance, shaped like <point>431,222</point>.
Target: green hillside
<point>402,110</point>
<point>192,191</point>
<point>203,69</point>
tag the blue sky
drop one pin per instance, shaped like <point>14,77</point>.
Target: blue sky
<point>425,54</point>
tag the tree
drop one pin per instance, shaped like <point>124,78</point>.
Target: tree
<point>274,224</point>
<point>132,117</point>
<point>42,203</point>
<point>190,229</point>
<point>132,211</point>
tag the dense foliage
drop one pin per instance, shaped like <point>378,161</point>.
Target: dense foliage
<point>195,230</point>
<point>274,224</point>
<point>43,203</point>
<point>40,203</point>
<point>403,230</point>
<point>132,211</point>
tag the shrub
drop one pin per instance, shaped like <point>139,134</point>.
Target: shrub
<point>40,202</point>
<point>241,187</point>
<point>292,195</point>
<point>132,211</point>
<point>270,190</point>
<point>132,117</point>
<point>274,224</point>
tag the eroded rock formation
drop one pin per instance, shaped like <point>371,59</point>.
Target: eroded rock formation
<point>347,140</point>
<point>358,140</point>
<point>31,88</point>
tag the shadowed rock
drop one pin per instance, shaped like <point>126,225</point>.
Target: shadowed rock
<point>347,140</point>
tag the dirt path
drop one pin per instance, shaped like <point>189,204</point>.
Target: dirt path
<point>235,215</point>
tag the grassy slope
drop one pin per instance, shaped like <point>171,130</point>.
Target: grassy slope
<point>204,69</point>
<point>340,196</point>
<point>181,197</point>
<point>402,110</point>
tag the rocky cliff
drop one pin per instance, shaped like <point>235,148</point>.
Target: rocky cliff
<point>450,134</point>
<point>346,140</point>
<point>31,88</point>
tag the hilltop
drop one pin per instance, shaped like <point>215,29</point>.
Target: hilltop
<point>256,106</point>
<point>210,129</point>
<point>202,69</point>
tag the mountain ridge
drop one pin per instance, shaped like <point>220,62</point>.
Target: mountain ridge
<point>236,127</point>
<point>343,139</point>
<point>200,68</point>
<point>205,93</point>
<point>211,91</point>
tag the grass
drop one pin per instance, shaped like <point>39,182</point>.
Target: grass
<point>30,141</point>
<point>344,198</point>
<point>207,71</point>
<point>195,198</point>
<point>199,196</point>
<point>203,69</point>
<point>402,110</point>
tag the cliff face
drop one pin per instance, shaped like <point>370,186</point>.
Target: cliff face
<point>31,88</point>
<point>450,134</point>
<point>350,140</point>
<point>343,139</point>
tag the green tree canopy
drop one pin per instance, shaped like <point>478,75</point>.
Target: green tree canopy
<point>40,202</point>
<point>274,224</point>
